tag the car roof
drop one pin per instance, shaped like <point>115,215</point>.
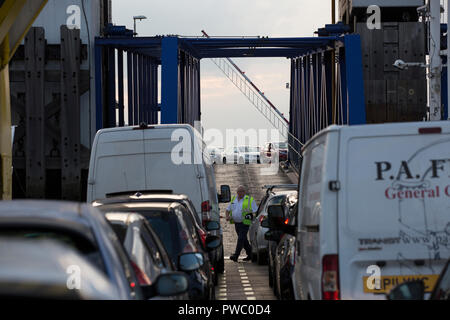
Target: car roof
<point>129,206</point>
<point>138,196</point>
<point>55,214</point>
<point>283,193</point>
<point>48,271</point>
<point>125,218</point>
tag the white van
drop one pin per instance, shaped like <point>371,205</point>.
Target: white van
<point>156,158</point>
<point>374,210</point>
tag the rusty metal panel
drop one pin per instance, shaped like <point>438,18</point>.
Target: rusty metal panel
<point>372,42</point>
<point>403,93</point>
<point>70,114</point>
<point>34,105</point>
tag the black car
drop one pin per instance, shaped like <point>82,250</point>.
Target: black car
<point>285,251</point>
<point>175,228</point>
<point>274,237</point>
<point>216,256</point>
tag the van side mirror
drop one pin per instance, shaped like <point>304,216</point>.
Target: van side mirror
<point>225,194</point>
<point>276,216</point>
<point>413,290</point>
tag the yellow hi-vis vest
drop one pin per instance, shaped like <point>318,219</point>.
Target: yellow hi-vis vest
<point>247,212</point>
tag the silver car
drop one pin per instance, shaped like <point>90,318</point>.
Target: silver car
<point>260,246</point>
<point>47,269</point>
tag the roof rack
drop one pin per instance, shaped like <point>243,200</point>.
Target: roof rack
<point>138,193</point>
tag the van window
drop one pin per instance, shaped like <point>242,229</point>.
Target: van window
<point>210,178</point>
<point>312,173</point>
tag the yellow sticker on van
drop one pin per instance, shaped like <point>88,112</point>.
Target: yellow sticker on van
<point>388,283</point>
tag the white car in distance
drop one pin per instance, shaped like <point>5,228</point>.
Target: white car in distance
<point>241,155</point>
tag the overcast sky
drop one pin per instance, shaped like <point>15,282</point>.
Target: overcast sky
<point>223,105</point>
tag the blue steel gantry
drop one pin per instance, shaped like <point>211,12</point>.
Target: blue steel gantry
<point>312,89</point>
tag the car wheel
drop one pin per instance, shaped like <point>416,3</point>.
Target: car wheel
<point>224,161</point>
<point>270,277</point>
<point>212,295</point>
<point>261,258</point>
<point>220,267</point>
<point>253,252</point>
<point>275,285</point>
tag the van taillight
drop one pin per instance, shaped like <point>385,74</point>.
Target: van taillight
<point>206,212</point>
<point>330,277</point>
<point>435,130</point>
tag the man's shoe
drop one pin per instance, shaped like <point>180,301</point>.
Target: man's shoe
<point>249,258</point>
<point>234,258</point>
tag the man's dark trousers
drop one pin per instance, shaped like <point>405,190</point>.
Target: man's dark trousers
<point>242,243</point>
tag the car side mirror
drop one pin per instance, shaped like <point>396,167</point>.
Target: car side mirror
<point>269,236</point>
<point>225,194</point>
<point>265,223</point>
<point>275,216</point>
<point>171,284</point>
<point>190,261</point>
<point>413,290</point>
<point>212,243</point>
<point>212,226</point>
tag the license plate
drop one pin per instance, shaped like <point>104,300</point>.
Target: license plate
<point>388,283</point>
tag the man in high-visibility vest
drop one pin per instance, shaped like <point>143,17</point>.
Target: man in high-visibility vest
<point>241,212</point>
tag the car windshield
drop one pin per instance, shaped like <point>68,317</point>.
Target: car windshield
<point>74,240</point>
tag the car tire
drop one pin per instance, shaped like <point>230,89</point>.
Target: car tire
<point>220,267</point>
<point>261,258</point>
<point>253,255</point>
<point>224,161</point>
<point>270,277</point>
<point>216,278</point>
<point>212,295</point>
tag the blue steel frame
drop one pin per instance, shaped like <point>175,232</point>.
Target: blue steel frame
<point>142,83</point>
<point>310,109</point>
<point>444,88</point>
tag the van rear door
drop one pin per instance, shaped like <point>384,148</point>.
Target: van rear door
<point>118,163</point>
<point>164,165</point>
<point>394,207</point>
